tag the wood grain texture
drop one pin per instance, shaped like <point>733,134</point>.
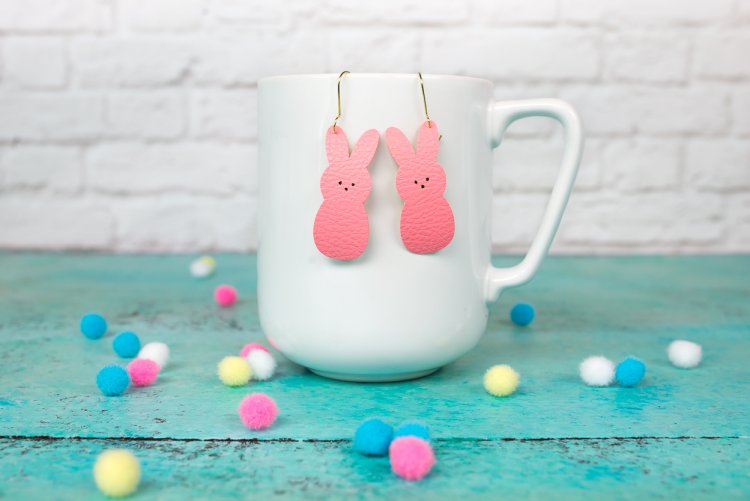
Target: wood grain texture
<point>610,306</point>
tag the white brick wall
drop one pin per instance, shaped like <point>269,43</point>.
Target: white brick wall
<point>130,124</point>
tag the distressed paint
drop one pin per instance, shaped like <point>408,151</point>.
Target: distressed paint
<point>557,469</point>
<point>610,306</point>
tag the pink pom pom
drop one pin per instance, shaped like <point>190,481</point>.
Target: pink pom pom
<point>411,457</point>
<point>258,411</point>
<point>225,295</point>
<point>143,371</point>
<point>245,351</point>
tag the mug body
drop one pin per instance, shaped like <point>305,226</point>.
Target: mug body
<point>390,314</point>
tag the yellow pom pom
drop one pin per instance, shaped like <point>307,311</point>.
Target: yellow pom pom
<point>234,371</point>
<point>501,380</point>
<point>117,472</point>
<point>208,261</point>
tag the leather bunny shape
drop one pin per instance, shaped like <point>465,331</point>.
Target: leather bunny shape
<point>427,223</point>
<point>341,228</point>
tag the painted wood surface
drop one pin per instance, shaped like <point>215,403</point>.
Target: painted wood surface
<point>466,469</point>
<point>611,306</point>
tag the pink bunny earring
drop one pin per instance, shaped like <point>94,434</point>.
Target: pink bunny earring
<point>341,228</point>
<point>427,223</point>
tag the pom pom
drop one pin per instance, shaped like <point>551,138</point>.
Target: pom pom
<point>117,473</point>
<point>522,314</point>
<point>684,354</point>
<point>630,372</point>
<point>262,364</point>
<point>411,457</point>
<point>258,411</point>
<point>203,267</point>
<point>373,437</point>
<point>501,380</point>
<point>225,295</point>
<point>112,380</point>
<point>126,344</point>
<point>234,371</point>
<point>597,371</point>
<point>158,352</point>
<point>245,351</point>
<point>412,429</point>
<point>93,325</point>
<point>143,372</point>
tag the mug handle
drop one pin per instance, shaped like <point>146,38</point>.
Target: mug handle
<point>500,116</point>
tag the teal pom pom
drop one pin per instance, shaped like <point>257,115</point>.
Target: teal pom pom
<point>412,429</point>
<point>373,437</point>
<point>113,380</point>
<point>93,325</point>
<point>126,344</point>
<point>630,372</point>
<point>522,314</point>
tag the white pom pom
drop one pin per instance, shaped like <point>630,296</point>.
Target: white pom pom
<point>203,267</point>
<point>262,363</point>
<point>597,371</point>
<point>684,354</point>
<point>158,352</point>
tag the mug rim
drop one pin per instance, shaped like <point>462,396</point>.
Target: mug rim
<point>379,75</point>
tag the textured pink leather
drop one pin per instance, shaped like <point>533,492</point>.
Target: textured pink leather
<point>341,228</point>
<point>427,219</point>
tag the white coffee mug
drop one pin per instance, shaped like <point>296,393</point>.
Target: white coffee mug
<point>389,314</point>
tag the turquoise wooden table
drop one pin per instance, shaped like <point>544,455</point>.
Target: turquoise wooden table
<point>680,434</point>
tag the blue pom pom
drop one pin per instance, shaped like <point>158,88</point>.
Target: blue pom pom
<point>126,344</point>
<point>522,314</point>
<point>112,380</point>
<point>373,437</point>
<point>630,372</point>
<point>93,325</point>
<point>412,429</point>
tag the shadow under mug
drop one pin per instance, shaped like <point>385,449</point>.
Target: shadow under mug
<point>389,314</point>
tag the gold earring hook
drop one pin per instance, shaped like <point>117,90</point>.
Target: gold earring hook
<point>338,94</point>
<point>424,100</point>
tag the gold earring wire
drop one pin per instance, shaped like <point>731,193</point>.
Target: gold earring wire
<point>338,94</point>
<point>424,100</point>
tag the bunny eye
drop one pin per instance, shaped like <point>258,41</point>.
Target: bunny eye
<point>339,182</point>
<point>352,184</point>
<point>415,182</point>
<point>427,179</point>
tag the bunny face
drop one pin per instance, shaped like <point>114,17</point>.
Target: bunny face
<point>426,180</point>
<point>346,177</point>
<point>419,173</point>
<point>345,183</point>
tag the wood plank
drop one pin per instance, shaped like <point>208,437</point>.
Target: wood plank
<point>612,306</point>
<point>555,469</point>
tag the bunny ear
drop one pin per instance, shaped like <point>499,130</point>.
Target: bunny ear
<point>337,146</point>
<point>399,146</point>
<point>365,148</point>
<point>428,140</point>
